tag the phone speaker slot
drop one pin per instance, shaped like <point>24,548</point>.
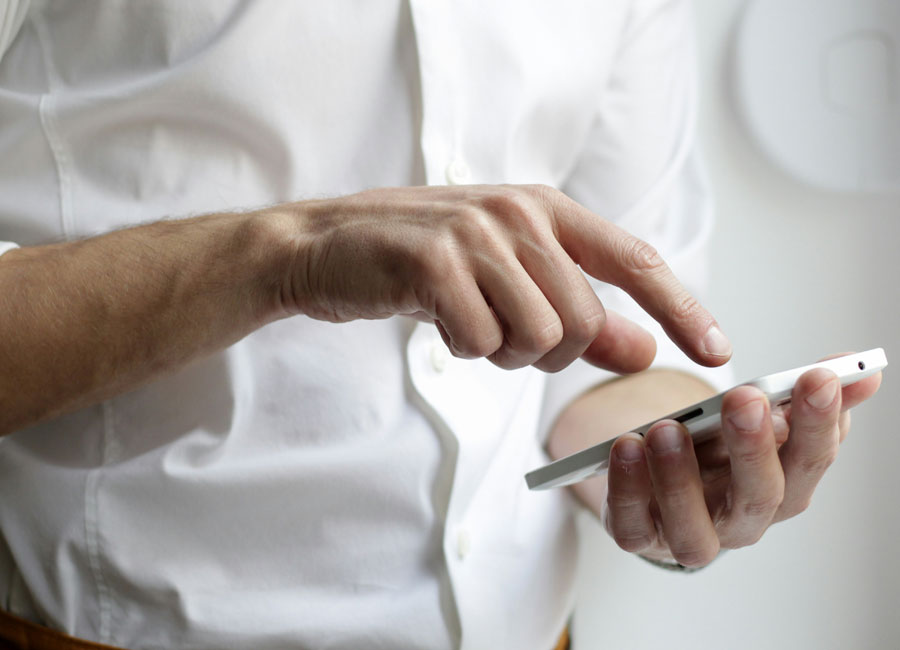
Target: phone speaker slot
<point>690,415</point>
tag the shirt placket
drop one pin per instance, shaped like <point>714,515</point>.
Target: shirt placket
<point>442,93</point>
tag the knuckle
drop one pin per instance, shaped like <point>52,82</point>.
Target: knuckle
<point>521,211</point>
<point>763,505</point>
<point>541,339</point>
<point>797,507</point>
<point>640,257</point>
<point>475,224</point>
<point>441,261</point>
<point>443,285</point>
<point>619,500</point>
<point>550,336</point>
<point>746,539</point>
<point>553,364</point>
<point>587,325</point>
<point>632,541</point>
<point>696,555</point>
<point>506,359</point>
<point>479,346</point>
<point>818,464</point>
<point>544,193</point>
<point>671,487</point>
<point>508,203</point>
<point>755,456</point>
<point>687,308</point>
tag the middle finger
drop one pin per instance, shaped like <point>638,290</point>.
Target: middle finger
<point>757,481</point>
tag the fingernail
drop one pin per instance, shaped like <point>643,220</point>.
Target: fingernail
<point>749,417</point>
<point>629,450</point>
<point>824,395</point>
<point>716,343</point>
<point>665,439</point>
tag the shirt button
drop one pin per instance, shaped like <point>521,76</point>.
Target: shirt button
<point>439,356</point>
<point>463,543</point>
<point>458,172</point>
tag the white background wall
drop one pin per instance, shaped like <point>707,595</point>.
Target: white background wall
<point>798,273</point>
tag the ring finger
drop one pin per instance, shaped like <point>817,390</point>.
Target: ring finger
<point>687,526</point>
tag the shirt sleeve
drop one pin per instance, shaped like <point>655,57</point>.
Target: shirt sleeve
<point>641,169</point>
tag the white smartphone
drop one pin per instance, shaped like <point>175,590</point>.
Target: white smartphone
<point>702,419</point>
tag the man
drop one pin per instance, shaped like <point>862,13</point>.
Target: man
<point>198,458</point>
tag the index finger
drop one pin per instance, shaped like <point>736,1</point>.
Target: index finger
<point>612,255</point>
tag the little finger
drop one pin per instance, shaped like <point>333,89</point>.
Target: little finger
<point>629,491</point>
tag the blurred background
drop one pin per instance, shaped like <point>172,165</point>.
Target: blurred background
<point>802,267</point>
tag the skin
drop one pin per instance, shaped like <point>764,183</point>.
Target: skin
<point>668,500</point>
<point>495,267</point>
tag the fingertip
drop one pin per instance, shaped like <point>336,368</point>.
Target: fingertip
<point>818,388</point>
<point>648,341</point>
<point>711,348</point>
<point>629,448</point>
<point>744,409</point>
<point>716,347</point>
<point>873,383</point>
<point>740,395</point>
<point>855,393</point>
<point>816,377</point>
<point>628,469</point>
<point>666,437</point>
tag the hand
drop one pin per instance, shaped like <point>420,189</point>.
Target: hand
<point>668,499</point>
<point>496,269</point>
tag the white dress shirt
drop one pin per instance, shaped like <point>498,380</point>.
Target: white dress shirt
<point>319,485</point>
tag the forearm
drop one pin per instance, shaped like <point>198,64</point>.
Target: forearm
<point>496,268</point>
<point>616,407</point>
<point>84,320</point>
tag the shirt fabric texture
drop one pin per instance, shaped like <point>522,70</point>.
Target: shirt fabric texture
<point>319,485</point>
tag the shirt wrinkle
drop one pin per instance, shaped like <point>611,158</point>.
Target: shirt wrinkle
<point>317,483</point>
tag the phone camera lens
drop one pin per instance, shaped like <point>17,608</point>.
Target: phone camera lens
<point>862,365</point>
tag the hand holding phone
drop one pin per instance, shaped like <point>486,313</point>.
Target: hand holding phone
<point>702,419</point>
<point>675,501</point>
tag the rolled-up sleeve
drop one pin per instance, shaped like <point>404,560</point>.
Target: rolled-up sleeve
<point>641,169</point>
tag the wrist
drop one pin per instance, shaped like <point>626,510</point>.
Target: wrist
<point>278,239</point>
